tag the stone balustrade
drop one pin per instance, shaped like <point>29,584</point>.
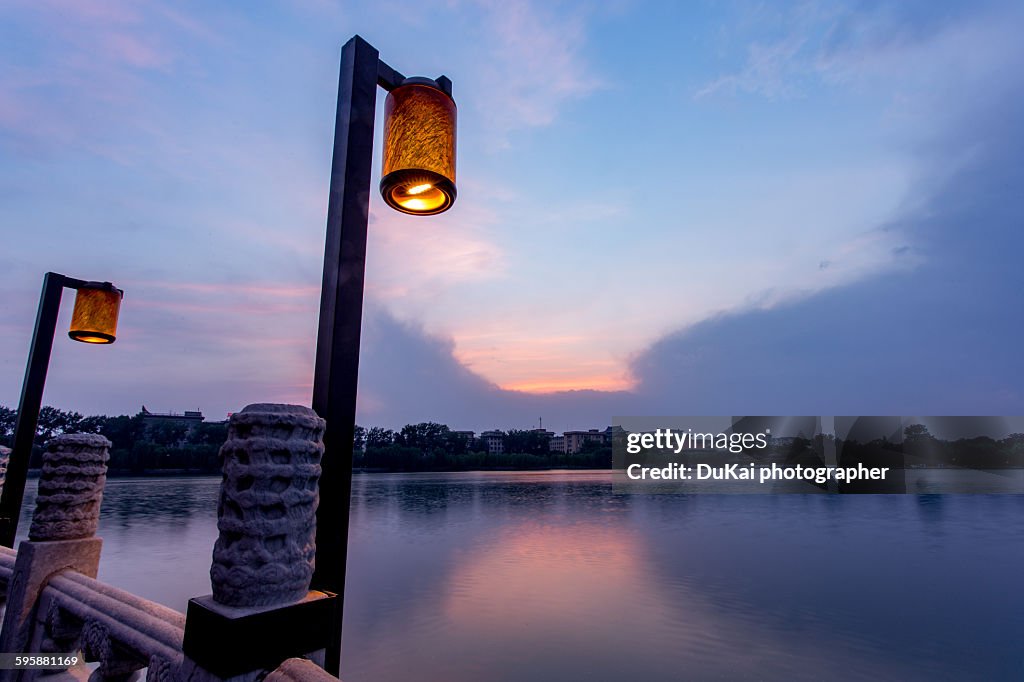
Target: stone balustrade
<point>7,555</point>
<point>120,631</point>
<point>5,455</point>
<point>7,559</point>
<point>261,569</point>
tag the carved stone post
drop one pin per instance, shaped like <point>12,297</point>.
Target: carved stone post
<point>261,611</point>
<point>267,509</point>
<point>5,456</point>
<point>70,488</point>
<point>62,533</point>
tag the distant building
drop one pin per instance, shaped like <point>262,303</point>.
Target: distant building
<point>494,441</point>
<point>574,440</point>
<point>545,434</point>
<point>557,444</point>
<point>781,442</point>
<point>190,417</point>
<point>468,438</point>
<point>157,420</point>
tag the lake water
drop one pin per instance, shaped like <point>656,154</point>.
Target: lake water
<point>552,576</point>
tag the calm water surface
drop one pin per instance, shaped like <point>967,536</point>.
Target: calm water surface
<point>551,576</point>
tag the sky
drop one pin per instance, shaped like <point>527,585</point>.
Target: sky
<point>664,208</point>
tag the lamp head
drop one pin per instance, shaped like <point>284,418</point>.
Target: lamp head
<point>94,319</point>
<point>418,175</point>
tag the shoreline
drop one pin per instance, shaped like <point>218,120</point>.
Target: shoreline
<point>185,473</point>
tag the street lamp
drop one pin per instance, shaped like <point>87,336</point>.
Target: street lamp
<point>94,320</point>
<point>418,179</point>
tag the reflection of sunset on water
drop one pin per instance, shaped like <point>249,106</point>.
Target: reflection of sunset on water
<point>551,576</point>
<point>586,595</point>
<point>512,576</point>
<point>573,573</point>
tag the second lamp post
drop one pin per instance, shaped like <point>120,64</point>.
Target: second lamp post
<point>94,320</point>
<point>418,179</point>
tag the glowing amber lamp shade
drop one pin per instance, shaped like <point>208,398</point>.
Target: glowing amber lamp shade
<point>95,317</point>
<point>419,148</point>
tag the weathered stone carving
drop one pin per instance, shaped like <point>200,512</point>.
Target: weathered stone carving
<point>96,644</point>
<point>61,633</point>
<point>115,663</point>
<point>267,509</point>
<point>160,670</point>
<point>5,457</point>
<point>70,487</point>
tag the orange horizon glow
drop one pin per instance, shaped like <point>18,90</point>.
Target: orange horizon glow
<point>593,383</point>
<point>539,363</point>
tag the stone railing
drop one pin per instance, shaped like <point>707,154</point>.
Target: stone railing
<point>120,631</point>
<point>5,455</point>
<point>261,620</point>
<point>7,555</point>
<point>7,559</point>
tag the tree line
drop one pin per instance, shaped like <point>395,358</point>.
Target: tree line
<point>138,447</point>
<point>919,447</point>
<point>429,446</point>
<point>980,452</point>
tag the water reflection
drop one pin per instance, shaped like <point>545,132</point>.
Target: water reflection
<point>552,576</point>
<point>158,535</point>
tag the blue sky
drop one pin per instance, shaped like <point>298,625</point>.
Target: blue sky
<point>664,208</point>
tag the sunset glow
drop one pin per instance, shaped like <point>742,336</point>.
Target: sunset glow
<point>598,383</point>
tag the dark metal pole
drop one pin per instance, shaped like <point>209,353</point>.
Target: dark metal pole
<point>28,408</point>
<point>336,375</point>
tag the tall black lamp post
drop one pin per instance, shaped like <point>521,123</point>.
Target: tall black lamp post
<point>418,179</point>
<point>94,320</point>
